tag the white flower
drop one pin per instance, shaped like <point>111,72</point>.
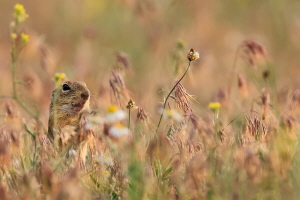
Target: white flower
<point>172,114</point>
<point>104,159</point>
<point>71,153</point>
<point>93,120</point>
<point>118,130</point>
<point>114,114</point>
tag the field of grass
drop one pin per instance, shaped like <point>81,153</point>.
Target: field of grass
<point>221,126</point>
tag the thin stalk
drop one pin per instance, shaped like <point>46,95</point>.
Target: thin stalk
<point>231,78</point>
<point>165,103</point>
<point>6,97</point>
<point>129,118</point>
<point>35,144</point>
<point>14,58</point>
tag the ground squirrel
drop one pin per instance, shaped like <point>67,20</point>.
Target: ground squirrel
<point>68,103</point>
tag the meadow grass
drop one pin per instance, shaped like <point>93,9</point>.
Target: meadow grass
<point>243,146</point>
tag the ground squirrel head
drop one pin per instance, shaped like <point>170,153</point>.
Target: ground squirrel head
<point>67,103</point>
<point>70,97</point>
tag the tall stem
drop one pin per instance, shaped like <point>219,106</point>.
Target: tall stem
<point>129,118</point>
<point>14,58</point>
<point>165,103</point>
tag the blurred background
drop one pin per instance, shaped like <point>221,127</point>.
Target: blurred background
<point>84,38</point>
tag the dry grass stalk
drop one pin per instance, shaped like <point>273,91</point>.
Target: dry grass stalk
<point>255,131</point>
<point>265,102</point>
<point>119,89</point>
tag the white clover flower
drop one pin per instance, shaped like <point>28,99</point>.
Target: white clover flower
<point>93,120</point>
<point>71,153</point>
<point>104,159</point>
<point>172,114</point>
<point>118,130</point>
<point>114,114</point>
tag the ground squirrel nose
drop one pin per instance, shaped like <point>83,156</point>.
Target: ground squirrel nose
<point>85,95</point>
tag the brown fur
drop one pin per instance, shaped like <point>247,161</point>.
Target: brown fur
<point>67,106</point>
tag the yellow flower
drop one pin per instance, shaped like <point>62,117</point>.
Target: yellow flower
<point>106,172</point>
<point>20,13</point>
<point>59,78</point>
<point>13,36</point>
<point>112,109</point>
<point>24,38</point>
<point>214,106</point>
<point>193,55</point>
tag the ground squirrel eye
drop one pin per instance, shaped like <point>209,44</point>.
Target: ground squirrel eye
<point>66,87</point>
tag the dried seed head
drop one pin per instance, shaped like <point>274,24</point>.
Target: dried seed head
<point>193,55</point>
<point>296,96</point>
<point>123,59</point>
<point>255,130</point>
<point>131,104</point>
<point>10,109</point>
<point>142,115</point>
<point>242,85</point>
<point>221,96</point>
<point>266,74</point>
<point>118,87</point>
<point>252,51</point>
<point>265,101</point>
<point>194,119</point>
<point>289,121</point>
<point>183,99</point>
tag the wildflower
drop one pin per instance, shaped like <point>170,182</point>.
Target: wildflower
<point>106,172</point>
<point>193,55</point>
<point>118,130</point>
<point>172,114</point>
<point>71,153</point>
<point>104,160</point>
<point>13,36</point>
<point>114,114</point>
<point>20,13</point>
<point>214,106</point>
<point>180,45</point>
<point>131,104</point>
<point>24,38</point>
<point>59,78</point>
<point>93,120</point>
